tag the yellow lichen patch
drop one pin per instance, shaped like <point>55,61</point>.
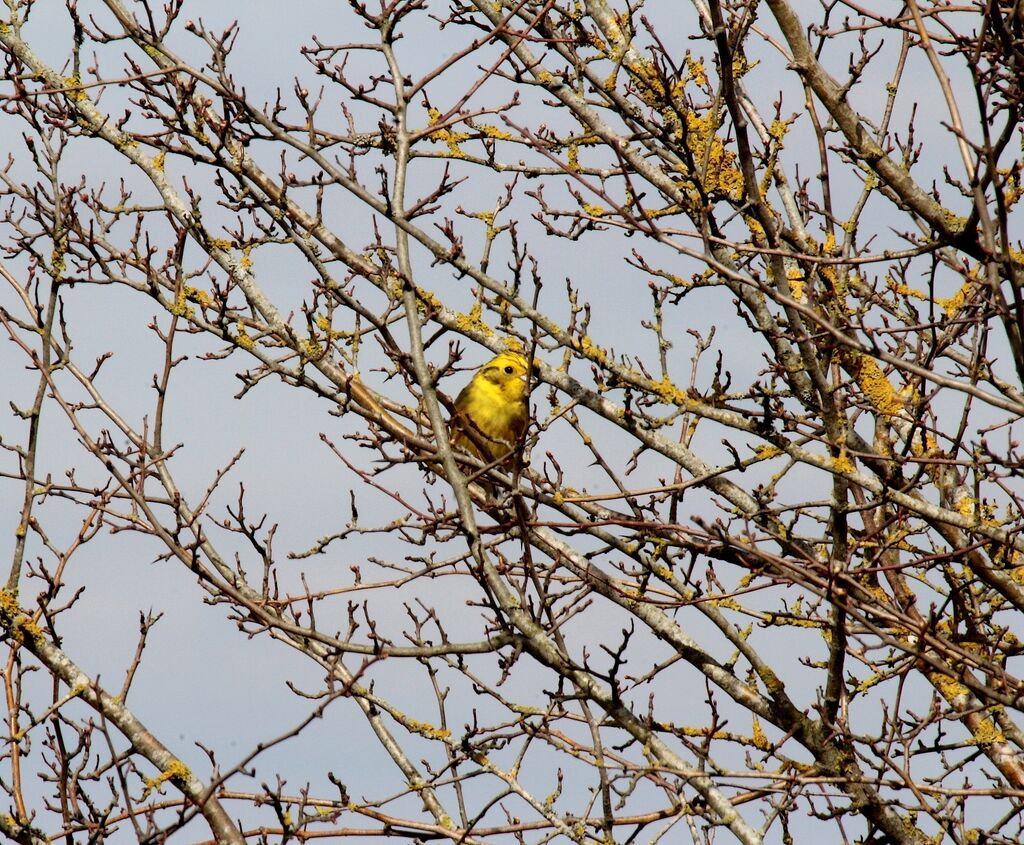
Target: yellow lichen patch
<point>662,571</point>
<point>158,160</point>
<point>592,351</point>
<point>493,132</point>
<point>514,344</point>
<point>667,211</point>
<point>19,624</point>
<point>697,72</point>
<point>1011,186</point>
<point>57,257</point>
<point>771,681</point>
<point>988,515</point>
<point>197,131</point>
<point>180,306</point>
<point>795,622</point>
<point>619,26</point>
<point>594,210</point>
<point>741,66</point>
<point>631,594</point>
<point>426,729</point>
<point>904,290</point>
<point>795,277</point>
<point>124,142</point>
<point>197,295</point>
<point>670,394</point>
<point>488,218</point>
<point>447,136</point>
<point>721,173</point>
<point>574,157</point>
<point>574,146</point>
<point>648,82</point>
<point>243,339</point>
<point>473,321</point>
<point>988,732</point>
<point>392,284</point>
<point>426,301</point>
<point>836,286</point>
<point>177,772</point>
<point>759,740</point>
<point>872,381</point>
<point>778,129</point>
<point>74,88</point>
<point>869,682</point>
<point>966,506</point>
<point>954,221</point>
<point>952,690</point>
<point>953,304</point>
<point>323,323</point>
<point>842,462</point>
<point>688,730</point>
<point>767,451</point>
<point>755,227</point>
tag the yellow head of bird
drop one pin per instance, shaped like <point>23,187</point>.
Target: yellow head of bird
<point>507,372</point>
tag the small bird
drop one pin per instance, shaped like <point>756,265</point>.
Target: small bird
<point>491,412</point>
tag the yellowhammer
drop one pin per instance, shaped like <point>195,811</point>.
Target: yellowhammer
<point>493,406</point>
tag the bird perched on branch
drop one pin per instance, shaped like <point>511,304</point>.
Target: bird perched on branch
<point>491,412</point>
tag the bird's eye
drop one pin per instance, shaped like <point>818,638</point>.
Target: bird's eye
<point>509,370</point>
